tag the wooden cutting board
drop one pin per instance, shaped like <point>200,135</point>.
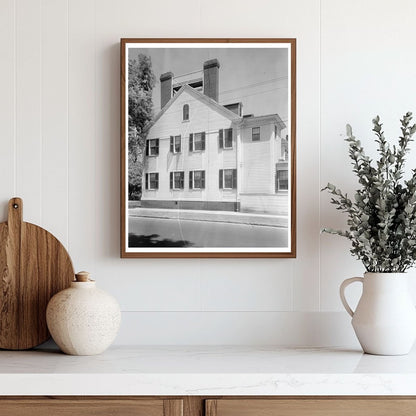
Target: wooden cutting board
<point>34,266</point>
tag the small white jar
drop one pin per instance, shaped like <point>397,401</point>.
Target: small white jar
<point>82,319</point>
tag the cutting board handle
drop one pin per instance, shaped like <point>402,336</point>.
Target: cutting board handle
<point>15,218</point>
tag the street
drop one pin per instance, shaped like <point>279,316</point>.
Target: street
<point>172,232</point>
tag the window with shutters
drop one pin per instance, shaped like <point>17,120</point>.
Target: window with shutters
<point>185,112</point>
<point>177,180</point>
<point>197,179</point>
<point>197,142</point>
<point>226,139</point>
<point>282,180</point>
<point>152,147</point>
<point>228,179</point>
<point>152,181</point>
<point>255,134</point>
<point>175,144</point>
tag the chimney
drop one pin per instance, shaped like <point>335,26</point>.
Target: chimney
<point>211,78</point>
<point>165,88</point>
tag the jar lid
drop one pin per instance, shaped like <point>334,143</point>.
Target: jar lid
<point>83,277</point>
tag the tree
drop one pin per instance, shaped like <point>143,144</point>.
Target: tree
<point>140,88</point>
<point>135,166</point>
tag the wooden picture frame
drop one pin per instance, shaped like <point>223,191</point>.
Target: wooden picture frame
<point>200,177</point>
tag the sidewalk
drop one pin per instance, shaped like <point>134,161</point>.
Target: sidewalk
<point>211,216</point>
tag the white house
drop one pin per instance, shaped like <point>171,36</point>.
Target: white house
<point>203,155</point>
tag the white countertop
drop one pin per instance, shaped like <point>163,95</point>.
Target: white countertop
<point>179,370</point>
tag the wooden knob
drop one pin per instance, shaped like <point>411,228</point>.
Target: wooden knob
<point>82,277</point>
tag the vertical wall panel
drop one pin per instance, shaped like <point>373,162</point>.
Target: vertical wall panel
<point>300,20</point>
<point>367,69</point>
<point>7,103</point>
<point>139,284</point>
<point>28,108</point>
<point>81,118</point>
<point>55,118</point>
<point>107,138</point>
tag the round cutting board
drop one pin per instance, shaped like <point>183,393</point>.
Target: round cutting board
<point>34,266</point>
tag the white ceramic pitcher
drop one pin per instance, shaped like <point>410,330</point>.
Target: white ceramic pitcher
<point>385,318</point>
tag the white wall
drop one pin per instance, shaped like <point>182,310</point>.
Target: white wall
<point>59,147</point>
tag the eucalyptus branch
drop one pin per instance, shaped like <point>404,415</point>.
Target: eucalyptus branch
<point>382,215</point>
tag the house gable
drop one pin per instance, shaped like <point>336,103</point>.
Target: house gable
<point>194,95</point>
<point>203,117</point>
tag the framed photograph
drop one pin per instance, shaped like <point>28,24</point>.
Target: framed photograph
<point>208,133</point>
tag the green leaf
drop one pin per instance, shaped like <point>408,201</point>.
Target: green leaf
<point>382,216</point>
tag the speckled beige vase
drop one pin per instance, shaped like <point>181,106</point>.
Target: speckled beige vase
<point>82,319</point>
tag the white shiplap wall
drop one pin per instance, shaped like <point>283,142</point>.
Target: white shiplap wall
<point>59,147</point>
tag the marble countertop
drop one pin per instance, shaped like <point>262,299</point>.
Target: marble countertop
<point>232,370</point>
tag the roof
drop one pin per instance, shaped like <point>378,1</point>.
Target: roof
<point>275,118</point>
<point>198,96</point>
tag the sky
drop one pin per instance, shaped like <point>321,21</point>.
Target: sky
<point>258,77</point>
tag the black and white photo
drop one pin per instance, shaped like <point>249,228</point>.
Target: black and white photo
<point>208,140</point>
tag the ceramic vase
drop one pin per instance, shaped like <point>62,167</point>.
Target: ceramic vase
<point>385,318</point>
<point>83,320</point>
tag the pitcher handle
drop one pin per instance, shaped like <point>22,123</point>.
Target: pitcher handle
<point>342,288</point>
